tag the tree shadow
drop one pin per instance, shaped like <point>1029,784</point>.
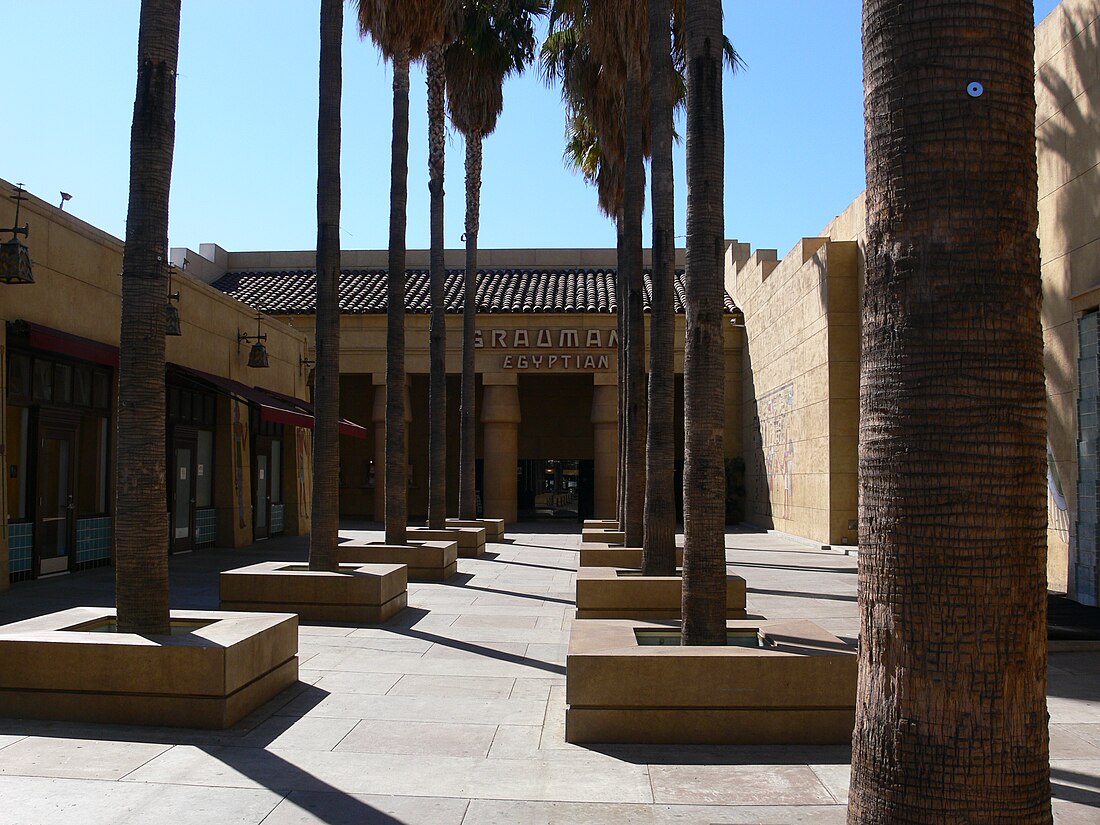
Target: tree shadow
<point>481,650</point>
<point>243,748</point>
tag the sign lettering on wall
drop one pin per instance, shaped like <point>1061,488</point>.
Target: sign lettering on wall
<point>562,342</point>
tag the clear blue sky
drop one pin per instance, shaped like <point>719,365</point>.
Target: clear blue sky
<point>245,163</point>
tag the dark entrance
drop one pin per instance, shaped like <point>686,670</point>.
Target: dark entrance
<point>554,489</point>
<point>182,473</point>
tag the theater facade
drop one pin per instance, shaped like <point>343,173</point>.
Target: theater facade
<point>545,362</point>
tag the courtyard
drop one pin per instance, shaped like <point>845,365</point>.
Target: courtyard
<point>454,712</point>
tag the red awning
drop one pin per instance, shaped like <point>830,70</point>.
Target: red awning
<point>65,343</point>
<point>274,406</point>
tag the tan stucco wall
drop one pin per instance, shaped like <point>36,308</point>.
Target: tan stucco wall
<point>800,386</point>
<point>1067,90</point>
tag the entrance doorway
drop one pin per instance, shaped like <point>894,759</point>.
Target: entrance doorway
<point>554,489</point>
<point>261,484</point>
<point>182,493</point>
<point>55,510</point>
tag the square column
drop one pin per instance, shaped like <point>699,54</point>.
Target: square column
<point>500,417</point>
<point>605,444</point>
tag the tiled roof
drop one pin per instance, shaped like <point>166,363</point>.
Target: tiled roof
<point>363,291</point>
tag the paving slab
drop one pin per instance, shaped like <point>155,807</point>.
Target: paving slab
<point>36,801</point>
<point>76,758</point>
<point>310,808</point>
<point>498,812</point>
<point>427,738</point>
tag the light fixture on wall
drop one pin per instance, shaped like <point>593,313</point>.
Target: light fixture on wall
<point>306,363</point>
<point>65,196</point>
<point>257,356</point>
<point>15,258</point>
<point>172,313</point>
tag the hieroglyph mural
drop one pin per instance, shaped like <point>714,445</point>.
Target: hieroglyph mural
<point>777,447</point>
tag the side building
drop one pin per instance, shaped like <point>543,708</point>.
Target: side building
<point>801,353</point>
<point>237,438</point>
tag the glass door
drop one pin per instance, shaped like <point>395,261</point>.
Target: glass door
<point>181,513</point>
<point>261,488</point>
<point>55,522</point>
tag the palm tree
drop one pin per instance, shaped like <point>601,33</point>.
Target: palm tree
<point>496,38</point>
<point>437,334</point>
<point>704,593</point>
<point>659,531</point>
<point>141,519</point>
<point>325,529</point>
<point>596,51</point>
<point>951,722</point>
<point>403,30</point>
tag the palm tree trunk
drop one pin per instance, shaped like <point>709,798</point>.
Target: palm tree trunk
<point>633,201</point>
<point>620,356</point>
<point>397,493</point>
<point>659,543</point>
<point>467,478</point>
<point>951,721</point>
<point>704,601</point>
<point>325,530</point>
<point>141,516</point>
<point>437,335</point>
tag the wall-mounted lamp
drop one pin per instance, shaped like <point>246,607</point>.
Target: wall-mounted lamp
<point>15,258</point>
<point>172,313</point>
<point>306,363</point>
<point>65,196</point>
<point>257,356</point>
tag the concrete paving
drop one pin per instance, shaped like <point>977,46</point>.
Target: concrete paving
<point>453,713</point>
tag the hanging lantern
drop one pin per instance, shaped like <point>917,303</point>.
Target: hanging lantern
<point>15,263</point>
<point>171,319</point>
<point>257,358</point>
<point>15,258</point>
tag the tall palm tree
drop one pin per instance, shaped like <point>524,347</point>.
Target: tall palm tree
<point>704,593</point>
<point>403,30</point>
<point>496,38</point>
<point>596,51</point>
<point>951,722</point>
<point>325,528</point>
<point>141,519</point>
<point>437,332</point>
<point>659,530</point>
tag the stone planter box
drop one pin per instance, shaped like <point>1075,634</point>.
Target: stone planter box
<point>427,561</point>
<point>797,689</point>
<point>494,527</point>
<point>615,593</point>
<point>216,668</point>
<point>358,594</point>
<point>600,524</point>
<point>603,535</point>
<point>471,540</point>
<point>595,554</point>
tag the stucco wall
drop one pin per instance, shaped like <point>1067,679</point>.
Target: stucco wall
<point>800,386</point>
<point>1067,90</point>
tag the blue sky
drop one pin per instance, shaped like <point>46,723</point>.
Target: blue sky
<point>245,164</point>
